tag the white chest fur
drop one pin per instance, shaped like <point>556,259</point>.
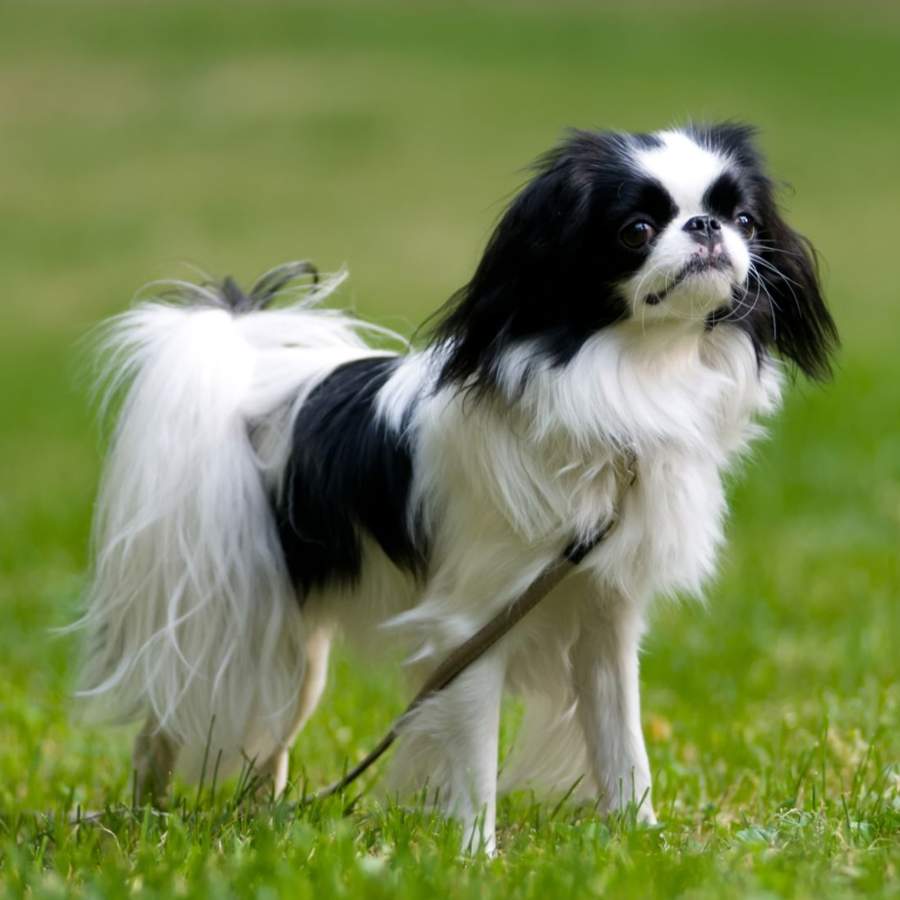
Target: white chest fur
<point>686,405</point>
<point>682,399</point>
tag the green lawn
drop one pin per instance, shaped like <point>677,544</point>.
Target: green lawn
<point>136,138</point>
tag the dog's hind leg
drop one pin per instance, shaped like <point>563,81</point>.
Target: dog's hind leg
<point>275,769</point>
<point>153,761</point>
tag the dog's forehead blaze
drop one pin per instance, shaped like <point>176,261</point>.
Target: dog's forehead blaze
<point>683,167</point>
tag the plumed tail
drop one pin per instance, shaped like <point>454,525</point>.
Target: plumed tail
<point>191,616</point>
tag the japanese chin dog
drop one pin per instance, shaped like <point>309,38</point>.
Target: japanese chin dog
<point>273,480</point>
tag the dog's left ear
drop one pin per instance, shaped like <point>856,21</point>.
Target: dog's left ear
<point>803,331</point>
<point>798,323</point>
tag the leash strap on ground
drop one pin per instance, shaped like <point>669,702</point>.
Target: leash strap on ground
<point>488,635</point>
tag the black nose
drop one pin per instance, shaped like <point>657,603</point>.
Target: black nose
<point>704,229</point>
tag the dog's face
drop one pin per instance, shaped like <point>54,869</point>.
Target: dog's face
<point>688,241</point>
<point>675,225</point>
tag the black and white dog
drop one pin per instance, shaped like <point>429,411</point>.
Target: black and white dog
<point>273,480</point>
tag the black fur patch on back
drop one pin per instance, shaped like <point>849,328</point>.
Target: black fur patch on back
<point>348,471</point>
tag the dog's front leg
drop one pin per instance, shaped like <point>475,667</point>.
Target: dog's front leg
<point>449,749</point>
<point>605,673</point>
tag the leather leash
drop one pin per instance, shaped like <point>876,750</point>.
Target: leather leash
<point>488,635</point>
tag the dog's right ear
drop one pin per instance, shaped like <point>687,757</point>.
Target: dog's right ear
<point>515,275</point>
<point>536,270</point>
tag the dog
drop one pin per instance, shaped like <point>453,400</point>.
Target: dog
<point>274,480</point>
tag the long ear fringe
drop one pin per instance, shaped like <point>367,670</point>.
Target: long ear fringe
<point>804,332</point>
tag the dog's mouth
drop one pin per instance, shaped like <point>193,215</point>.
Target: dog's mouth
<point>696,265</point>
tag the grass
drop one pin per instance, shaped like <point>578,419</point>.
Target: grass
<point>236,136</point>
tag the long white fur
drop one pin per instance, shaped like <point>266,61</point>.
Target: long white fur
<point>191,614</point>
<point>191,617</point>
<point>512,487</point>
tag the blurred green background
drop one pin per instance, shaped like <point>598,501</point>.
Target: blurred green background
<point>140,139</point>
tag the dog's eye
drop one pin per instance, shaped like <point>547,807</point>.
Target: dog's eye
<point>637,234</point>
<point>745,224</point>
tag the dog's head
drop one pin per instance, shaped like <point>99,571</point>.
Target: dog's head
<point>671,226</point>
